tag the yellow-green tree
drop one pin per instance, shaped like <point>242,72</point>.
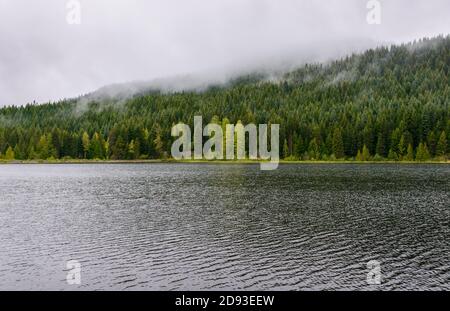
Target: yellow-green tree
<point>410,153</point>
<point>365,153</point>
<point>441,149</point>
<point>9,155</point>
<point>422,152</point>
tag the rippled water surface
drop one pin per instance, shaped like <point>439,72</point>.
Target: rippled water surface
<point>196,227</point>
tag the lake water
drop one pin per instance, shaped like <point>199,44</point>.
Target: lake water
<point>224,227</point>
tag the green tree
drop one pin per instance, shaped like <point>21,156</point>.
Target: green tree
<point>365,154</point>
<point>431,143</point>
<point>107,149</point>
<point>441,149</point>
<point>381,148</point>
<point>396,137</point>
<point>285,149</point>
<point>9,154</point>
<point>422,152</point>
<point>314,150</point>
<point>299,146</point>
<point>338,144</point>
<point>131,150</point>
<point>119,149</point>
<point>410,153</point>
<point>392,155</point>
<point>158,143</point>
<point>43,147</point>
<point>86,143</point>
<point>17,153</point>
<point>402,147</point>
<point>359,156</point>
<point>96,146</point>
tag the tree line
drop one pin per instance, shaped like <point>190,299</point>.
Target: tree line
<point>387,103</point>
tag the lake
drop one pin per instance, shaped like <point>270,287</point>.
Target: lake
<point>225,226</point>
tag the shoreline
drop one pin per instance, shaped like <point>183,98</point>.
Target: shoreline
<point>244,162</point>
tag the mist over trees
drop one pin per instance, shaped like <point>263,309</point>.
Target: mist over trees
<point>387,103</point>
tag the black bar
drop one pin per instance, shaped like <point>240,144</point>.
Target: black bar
<point>222,300</point>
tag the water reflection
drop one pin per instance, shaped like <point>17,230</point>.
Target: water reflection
<point>189,226</point>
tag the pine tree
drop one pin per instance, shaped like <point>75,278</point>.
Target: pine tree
<point>380,149</point>
<point>298,147</point>
<point>96,147</point>
<point>410,153</point>
<point>431,143</point>
<point>17,153</point>
<point>395,140</point>
<point>402,147</point>
<point>43,148</point>
<point>131,153</point>
<point>441,149</point>
<point>365,154</point>
<point>137,148</point>
<point>422,152</point>
<point>158,143</point>
<point>338,144</point>
<point>313,150</point>
<point>9,154</point>
<point>359,156</point>
<point>86,142</point>
<point>52,154</point>
<point>392,155</point>
<point>285,149</point>
<point>119,149</point>
<point>106,148</point>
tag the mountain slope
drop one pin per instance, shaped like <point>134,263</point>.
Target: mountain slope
<point>387,99</point>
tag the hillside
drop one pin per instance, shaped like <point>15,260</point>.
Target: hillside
<point>395,101</point>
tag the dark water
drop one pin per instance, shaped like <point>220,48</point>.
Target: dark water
<point>213,227</point>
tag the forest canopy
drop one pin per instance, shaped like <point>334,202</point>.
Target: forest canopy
<point>387,103</point>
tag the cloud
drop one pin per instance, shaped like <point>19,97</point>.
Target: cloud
<point>44,58</point>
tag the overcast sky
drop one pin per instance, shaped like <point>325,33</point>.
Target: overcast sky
<point>43,57</point>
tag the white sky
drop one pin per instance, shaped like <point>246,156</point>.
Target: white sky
<point>44,58</point>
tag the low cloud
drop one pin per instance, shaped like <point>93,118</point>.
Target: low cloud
<point>44,58</point>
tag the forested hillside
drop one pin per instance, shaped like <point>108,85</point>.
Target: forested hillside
<point>390,102</point>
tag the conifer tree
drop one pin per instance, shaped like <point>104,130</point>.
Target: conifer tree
<point>313,150</point>
<point>285,149</point>
<point>365,154</point>
<point>359,156</point>
<point>392,155</point>
<point>422,152</point>
<point>86,142</point>
<point>158,143</point>
<point>441,149</point>
<point>402,147</point>
<point>131,150</point>
<point>380,149</point>
<point>338,144</point>
<point>410,153</point>
<point>9,154</point>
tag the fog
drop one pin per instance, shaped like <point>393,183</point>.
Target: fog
<point>45,58</point>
